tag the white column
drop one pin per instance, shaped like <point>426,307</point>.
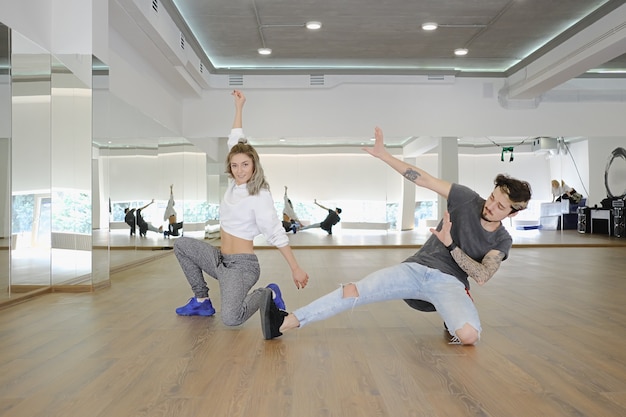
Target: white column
<point>407,209</point>
<point>448,166</point>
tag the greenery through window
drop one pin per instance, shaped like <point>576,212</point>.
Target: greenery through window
<point>71,212</point>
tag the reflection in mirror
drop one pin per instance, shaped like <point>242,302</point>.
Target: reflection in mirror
<point>30,166</point>
<point>101,207</point>
<point>71,170</point>
<point>615,174</point>
<point>126,145</point>
<point>5,162</point>
<point>134,177</point>
<point>366,193</point>
<point>192,191</point>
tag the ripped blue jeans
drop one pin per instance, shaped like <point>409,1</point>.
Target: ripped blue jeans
<point>407,280</point>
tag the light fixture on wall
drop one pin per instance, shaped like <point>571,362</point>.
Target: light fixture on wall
<point>461,51</point>
<point>265,51</point>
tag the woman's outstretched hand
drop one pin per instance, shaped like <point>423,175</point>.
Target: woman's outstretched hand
<point>240,98</point>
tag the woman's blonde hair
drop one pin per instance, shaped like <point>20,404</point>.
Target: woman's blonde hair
<point>257,181</point>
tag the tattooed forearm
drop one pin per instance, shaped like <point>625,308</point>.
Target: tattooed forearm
<point>479,272</point>
<point>411,174</point>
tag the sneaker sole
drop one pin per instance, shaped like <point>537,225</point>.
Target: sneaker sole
<point>266,326</point>
<point>201,313</point>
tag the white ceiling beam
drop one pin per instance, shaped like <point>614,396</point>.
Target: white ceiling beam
<point>600,42</point>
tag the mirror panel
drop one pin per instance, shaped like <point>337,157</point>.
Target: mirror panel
<point>134,182</point>
<point>5,161</point>
<point>30,165</point>
<point>101,207</point>
<point>71,171</point>
<point>192,192</point>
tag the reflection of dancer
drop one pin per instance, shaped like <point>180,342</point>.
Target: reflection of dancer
<point>288,209</point>
<point>247,210</point>
<point>470,241</point>
<point>561,190</point>
<point>170,216</point>
<point>143,225</point>
<point>129,218</point>
<point>291,223</point>
<point>331,219</point>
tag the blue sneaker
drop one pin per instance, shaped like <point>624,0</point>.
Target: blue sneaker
<point>278,296</point>
<point>194,308</point>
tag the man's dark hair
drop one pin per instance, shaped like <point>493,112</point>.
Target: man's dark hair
<point>519,192</point>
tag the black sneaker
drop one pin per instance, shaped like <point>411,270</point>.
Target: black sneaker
<point>452,340</point>
<point>271,317</point>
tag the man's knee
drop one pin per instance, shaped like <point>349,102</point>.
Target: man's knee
<point>467,334</point>
<point>350,291</point>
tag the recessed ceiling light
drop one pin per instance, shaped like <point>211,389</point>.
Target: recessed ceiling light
<point>265,51</point>
<point>460,51</point>
<point>429,26</point>
<point>313,25</point>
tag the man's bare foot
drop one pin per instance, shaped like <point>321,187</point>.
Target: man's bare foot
<point>290,322</point>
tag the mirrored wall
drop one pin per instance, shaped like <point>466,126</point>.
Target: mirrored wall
<point>5,161</point>
<point>31,166</point>
<point>143,177</point>
<point>100,185</point>
<point>46,206</point>
<point>73,158</point>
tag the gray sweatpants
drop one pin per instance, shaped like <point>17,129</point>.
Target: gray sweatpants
<point>236,275</point>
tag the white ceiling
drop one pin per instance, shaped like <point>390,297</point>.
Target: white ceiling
<point>384,37</point>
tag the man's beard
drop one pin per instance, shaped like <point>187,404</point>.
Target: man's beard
<point>482,216</point>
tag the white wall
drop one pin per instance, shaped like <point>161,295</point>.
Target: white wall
<point>25,179</point>
<point>30,18</point>
<point>479,171</point>
<point>361,177</point>
<point>402,110</point>
<point>148,175</point>
<point>71,140</point>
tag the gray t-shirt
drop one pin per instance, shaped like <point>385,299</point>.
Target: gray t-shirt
<point>465,207</point>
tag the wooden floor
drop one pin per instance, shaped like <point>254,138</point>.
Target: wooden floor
<point>552,345</point>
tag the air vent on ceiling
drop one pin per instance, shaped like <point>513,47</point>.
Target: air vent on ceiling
<point>155,5</point>
<point>182,41</point>
<point>436,77</point>
<point>316,80</point>
<point>235,80</point>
